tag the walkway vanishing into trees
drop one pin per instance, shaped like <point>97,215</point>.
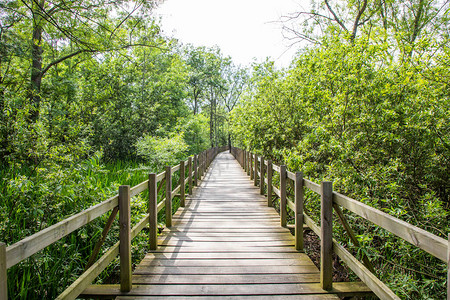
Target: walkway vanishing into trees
<point>225,240</point>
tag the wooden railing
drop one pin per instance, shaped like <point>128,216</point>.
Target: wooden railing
<point>261,172</point>
<point>195,166</point>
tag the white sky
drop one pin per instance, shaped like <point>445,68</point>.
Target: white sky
<point>243,29</point>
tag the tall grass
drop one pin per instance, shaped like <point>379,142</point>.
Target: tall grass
<point>33,199</point>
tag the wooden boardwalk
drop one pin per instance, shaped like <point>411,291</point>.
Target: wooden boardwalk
<point>225,243</point>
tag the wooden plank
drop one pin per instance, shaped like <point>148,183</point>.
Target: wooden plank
<point>312,186</point>
<point>255,176</point>
<point>227,255</point>
<point>174,193</point>
<point>247,297</point>
<point>3,273</point>
<point>38,241</point>
<point>448,268</point>
<point>148,263</point>
<point>326,236</point>
<point>425,240</point>
<point>160,176</point>
<point>213,270</point>
<point>299,199</point>
<point>168,206</point>
<point>137,189</point>
<point>175,168</point>
<point>276,191</point>
<point>125,238</point>
<point>290,175</point>
<point>153,212</point>
<point>225,279</point>
<point>221,289</point>
<point>276,168</point>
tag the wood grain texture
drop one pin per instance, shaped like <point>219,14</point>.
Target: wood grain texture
<point>3,273</point>
<point>125,238</point>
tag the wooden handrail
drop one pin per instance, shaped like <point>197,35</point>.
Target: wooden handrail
<point>13,254</point>
<point>436,246</point>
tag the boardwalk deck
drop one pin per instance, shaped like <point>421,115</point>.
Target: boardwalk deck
<point>226,242</point>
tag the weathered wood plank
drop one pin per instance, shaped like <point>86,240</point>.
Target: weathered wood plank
<point>38,241</point>
<point>326,235</point>
<point>228,290</point>
<point>3,273</point>
<point>125,238</point>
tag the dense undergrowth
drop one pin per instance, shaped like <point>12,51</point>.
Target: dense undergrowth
<point>380,131</point>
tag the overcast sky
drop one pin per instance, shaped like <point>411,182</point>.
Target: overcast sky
<point>243,29</point>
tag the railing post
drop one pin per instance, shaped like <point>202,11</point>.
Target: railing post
<point>283,203</point>
<point>326,239</point>
<point>190,174</point>
<point>255,177</point>
<point>248,163</point>
<point>182,183</point>
<point>448,268</point>
<point>244,155</point>
<point>152,212</point>
<point>261,177</point>
<point>3,273</point>
<point>251,166</point>
<point>195,170</point>
<point>125,238</point>
<point>269,183</point>
<point>168,196</point>
<point>299,199</point>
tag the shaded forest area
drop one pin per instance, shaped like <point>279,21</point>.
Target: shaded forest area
<point>93,95</point>
<point>366,106</point>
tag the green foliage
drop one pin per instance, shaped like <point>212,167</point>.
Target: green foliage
<point>165,151</point>
<point>379,129</point>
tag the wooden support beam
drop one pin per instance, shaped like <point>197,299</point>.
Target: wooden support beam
<point>3,273</point>
<point>182,184</point>
<point>352,236</point>
<point>299,200</point>
<point>152,212</point>
<point>261,176</point>
<point>102,239</point>
<point>283,204</point>
<point>326,236</point>
<point>190,175</point>
<point>125,238</point>
<point>269,183</point>
<point>168,196</point>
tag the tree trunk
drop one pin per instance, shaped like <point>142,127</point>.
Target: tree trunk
<point>36,61</point>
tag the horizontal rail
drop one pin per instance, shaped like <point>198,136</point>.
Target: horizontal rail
<point>176,168</point>
<point>312,186</point>
<point>425,240</point>
<point>290,175</point>
<point>38,241</point>
<point>137,189</point>
<point>82,282</point>
<point>276,191</point>
<point>376,285</point>
<point>276,168</point>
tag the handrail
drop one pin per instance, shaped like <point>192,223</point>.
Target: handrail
<point>13,254</point>
<point>436,246</point>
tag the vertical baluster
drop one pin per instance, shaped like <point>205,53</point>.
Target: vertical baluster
<point>255,177</point>
<point>269,183</point>
<point>3,273</point>
<point>326,239</point>
<point>299,199</point>
<point>152,211</point>
<point>168,196</point>
<point>182,184</point>
<point>125,238</point>
<point>283,203</point>
<point>261,176</point>
<point>190,174</point>
<point>195,170</point>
